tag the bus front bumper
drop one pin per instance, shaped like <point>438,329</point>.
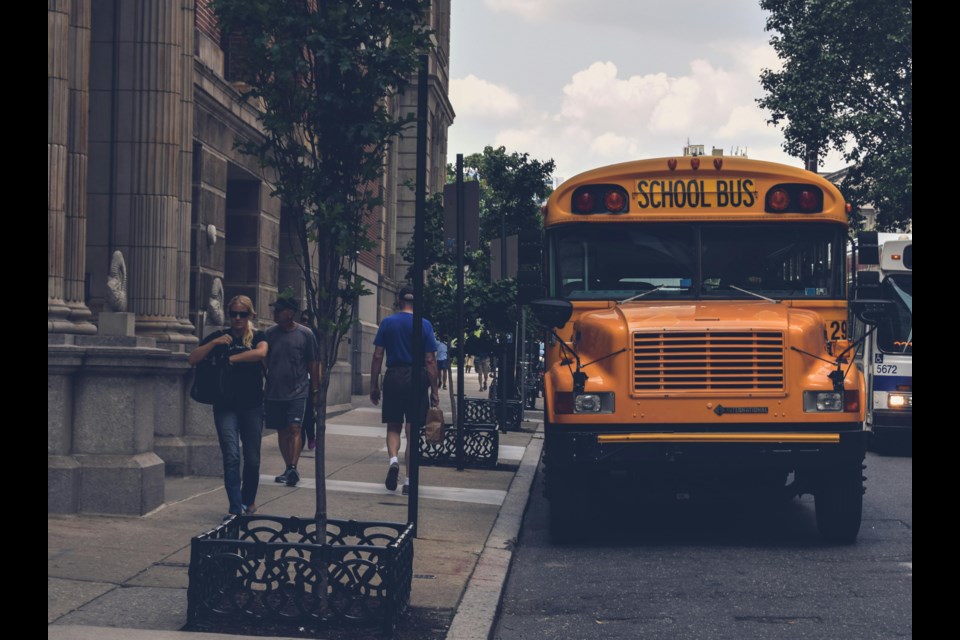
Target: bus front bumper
<point>623,447</point>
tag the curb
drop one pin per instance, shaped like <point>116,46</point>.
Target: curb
<point>477,610</point>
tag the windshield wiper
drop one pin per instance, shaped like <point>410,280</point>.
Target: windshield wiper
<point>640,295</point>
<point>757,295</point>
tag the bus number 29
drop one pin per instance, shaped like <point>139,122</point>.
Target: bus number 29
<point>838,330</point>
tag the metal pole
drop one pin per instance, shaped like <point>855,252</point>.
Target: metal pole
<point>523,360</point>
<point>413,440</point>
<point>461,342</point>
<point>502,368</point>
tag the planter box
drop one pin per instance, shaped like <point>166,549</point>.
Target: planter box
<point>266,570</point>
<point>481,446</point>
<point>481,411</point>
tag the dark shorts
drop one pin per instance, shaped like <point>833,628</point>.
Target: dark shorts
<point>398,403</point>
<point>280,414</point>
<point>443,364</point>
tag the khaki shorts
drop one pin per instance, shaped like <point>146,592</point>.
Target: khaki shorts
<point>483,366</point>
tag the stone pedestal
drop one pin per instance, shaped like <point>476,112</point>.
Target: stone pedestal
<point>106,397</point>
<point>112,323</point>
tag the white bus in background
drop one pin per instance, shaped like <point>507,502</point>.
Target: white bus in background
<point>887,273</point>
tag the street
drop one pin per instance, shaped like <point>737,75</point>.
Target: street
<point>717,572</point>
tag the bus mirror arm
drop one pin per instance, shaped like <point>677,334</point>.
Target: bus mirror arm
<point>837,377</point>
<point>579,377</point>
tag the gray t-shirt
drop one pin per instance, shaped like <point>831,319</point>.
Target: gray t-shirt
<point>288,362</point>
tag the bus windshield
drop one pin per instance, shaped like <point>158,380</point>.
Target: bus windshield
<point>897,336</point>
<point>697,260</point>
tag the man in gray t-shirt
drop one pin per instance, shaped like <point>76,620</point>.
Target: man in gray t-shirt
<point>295,355</point>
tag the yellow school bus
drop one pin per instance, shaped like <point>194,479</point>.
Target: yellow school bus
<point>698,343</point>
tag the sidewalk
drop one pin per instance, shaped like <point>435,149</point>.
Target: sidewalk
<point>125,578</point>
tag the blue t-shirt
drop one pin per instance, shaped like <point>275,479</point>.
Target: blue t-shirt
<point>441,351</point>
<point>395,335</point>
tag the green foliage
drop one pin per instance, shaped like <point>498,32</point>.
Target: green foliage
<point>322,74</point>
<point>847,84</point>
<point>509,183</point>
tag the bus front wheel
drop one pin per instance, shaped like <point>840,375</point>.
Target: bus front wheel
<point>839,505</point>
<point>569,501</point>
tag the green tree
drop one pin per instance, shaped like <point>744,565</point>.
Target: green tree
<point>510,183</point>
<point>847,83</point>
<point>324,73</point>
<point>513,187</point>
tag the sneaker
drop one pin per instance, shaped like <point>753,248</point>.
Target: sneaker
<point>293,477</point>
<point>406,490</point>
<point>283,476</point>
<point>312,444</point>
<point>392,473</point>
<point>249,511</point>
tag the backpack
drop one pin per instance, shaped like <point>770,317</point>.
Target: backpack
<point>210,378</point>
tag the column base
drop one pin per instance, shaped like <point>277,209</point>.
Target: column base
<point>190,455</point>
<point>120,484</point>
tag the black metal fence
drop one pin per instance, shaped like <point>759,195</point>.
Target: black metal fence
<point>270,569</point>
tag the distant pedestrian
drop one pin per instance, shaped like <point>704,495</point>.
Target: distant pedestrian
<point>467,363</point>
<point>238,415</point>
<point>309,438</point>
<point>400,408</point>
<point>293,365</point>
<point>443,362</point>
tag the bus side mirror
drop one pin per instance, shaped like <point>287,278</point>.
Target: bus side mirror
<point>552,312</point>
<point>873,312</point>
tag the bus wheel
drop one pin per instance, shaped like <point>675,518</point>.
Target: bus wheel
<point>839,505</point>
<point>569,502</point>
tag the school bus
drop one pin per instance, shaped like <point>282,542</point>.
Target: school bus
<point>698,344</point>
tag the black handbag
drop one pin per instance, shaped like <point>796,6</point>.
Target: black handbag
<point>210,379</point>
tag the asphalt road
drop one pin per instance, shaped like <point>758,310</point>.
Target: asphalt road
<point>717,572</point>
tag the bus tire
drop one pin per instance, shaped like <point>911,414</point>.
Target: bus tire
<point>839,505</point>
<point>569,501</point>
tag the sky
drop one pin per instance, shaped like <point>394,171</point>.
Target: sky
<point>590,83</point>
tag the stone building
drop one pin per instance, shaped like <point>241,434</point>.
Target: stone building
<point>142,120</point>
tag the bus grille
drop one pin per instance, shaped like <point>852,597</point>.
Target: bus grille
<point>708,361</point>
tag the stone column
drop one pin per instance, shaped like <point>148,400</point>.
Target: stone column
<point>58,99</point>
<point>151,181</point>
<point>186,163</point>
<point>75,244</point>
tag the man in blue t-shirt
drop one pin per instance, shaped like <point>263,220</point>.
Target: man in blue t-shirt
<point>443,364</point>
<point>395,337</point>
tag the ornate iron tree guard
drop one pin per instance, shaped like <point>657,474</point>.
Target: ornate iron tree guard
<point>481,411</point>
<point>481,446</point>
<point>269,569</point>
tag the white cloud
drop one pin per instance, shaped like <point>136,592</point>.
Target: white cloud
<point>475,98</point>
<point>659,76</point>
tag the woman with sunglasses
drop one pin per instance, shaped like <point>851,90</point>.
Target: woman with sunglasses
<point>238,415</point>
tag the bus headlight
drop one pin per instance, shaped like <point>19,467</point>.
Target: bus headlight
<point>900,401</point>
<point>593,403</point>
<point>819,401</point>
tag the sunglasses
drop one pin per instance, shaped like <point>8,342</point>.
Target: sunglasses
<point>239,314</point>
